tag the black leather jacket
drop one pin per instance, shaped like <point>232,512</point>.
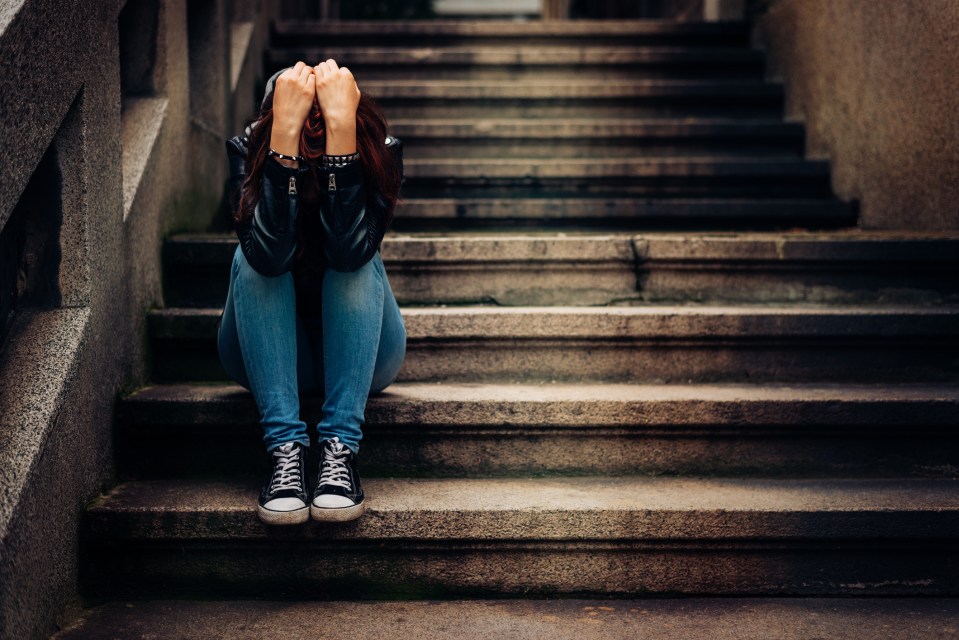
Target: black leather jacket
<point>352,222</point>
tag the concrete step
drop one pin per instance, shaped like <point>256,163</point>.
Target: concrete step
<point>511,138</point>
<point>444,99</point>
<point>168,431</point>
<point>510,34</point>
<point>619,213</point>
<point>524,619</point>
<point>592,535</point>
<point>731,177</point>
<point>529,62</point>
<point>588,269</point>
<point>631,344</point>
<point>530,269</point>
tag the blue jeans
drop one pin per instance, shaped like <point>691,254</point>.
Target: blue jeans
<point>353,350</point>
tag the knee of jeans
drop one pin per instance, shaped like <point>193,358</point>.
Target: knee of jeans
<point>387,374</point>
<point>352,289</point>
<point>380,385</point>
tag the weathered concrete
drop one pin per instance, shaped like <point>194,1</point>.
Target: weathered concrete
<point>512,269</point>
<point>648,343</point>
<point>610,535</point>
<point>871,82</point>
<point>602,32</point>
<point>167,431</point>
<point>121,152</point>
<point>465,131</point>
<point>443,99</point>
<point>557,509</point>
<point>563,63</point>
<point>513,138</point>
<point>429,269</point>
<point>581,270</point>
<point>618,213</point>
<point>552,56</point>
<point>619,168</point>
<point>708,407</point>
<point>528,619</point>
<point>839,267</point>
<point>52,462</point>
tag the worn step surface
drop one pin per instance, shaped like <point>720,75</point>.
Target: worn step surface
<point>571,429</point>
<point>591,269</point>
<point>427,99</point>
<point>289,33</point>
<point>591,535</point>
<point>590,138</point>
<point>652,177</point>
<point>618,213</point>
<point>527,619</point>
<point>653,343</point>
<point>562,63</point>
<point>427,269</point>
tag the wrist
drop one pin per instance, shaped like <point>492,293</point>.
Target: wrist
<point>285,140</point>
<point>339,123</point>
<point>341,138</point>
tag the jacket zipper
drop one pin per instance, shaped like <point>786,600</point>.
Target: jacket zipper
<point>292,190</point>
<point>332,186</point>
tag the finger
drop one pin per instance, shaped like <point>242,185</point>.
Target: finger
<point>305,72</point>
<point>297,67</point>
<point>332,63</point>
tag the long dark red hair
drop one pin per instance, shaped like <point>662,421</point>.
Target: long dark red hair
<point>381,173</point>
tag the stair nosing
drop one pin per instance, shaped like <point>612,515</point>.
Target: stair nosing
<point>585,406</point>
<point>608,509</point>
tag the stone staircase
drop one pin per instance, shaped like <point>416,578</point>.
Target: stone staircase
<point>649,353</point>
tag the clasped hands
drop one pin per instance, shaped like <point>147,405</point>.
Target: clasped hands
<point>294,92</point>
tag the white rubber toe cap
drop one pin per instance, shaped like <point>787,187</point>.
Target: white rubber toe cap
<point>284,504</point>
<point>332,501</point>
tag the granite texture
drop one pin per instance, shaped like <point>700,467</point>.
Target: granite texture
<point>615,536</point>
<point>577,268</point>
<point>127,162</point>
<point>641,343</point>
<point>529,619</point>
<point>455,430</point>
<point>874,84</point>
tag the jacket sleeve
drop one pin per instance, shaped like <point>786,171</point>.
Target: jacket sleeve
<point>353,221</point>
<point>353,225</point>
<point>268,239</point>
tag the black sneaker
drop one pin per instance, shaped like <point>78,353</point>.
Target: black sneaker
<point>338,496</point>
<point>283,499</point>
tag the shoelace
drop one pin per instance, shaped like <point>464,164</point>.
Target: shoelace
<point>286,470</point>
<point>335,471</point>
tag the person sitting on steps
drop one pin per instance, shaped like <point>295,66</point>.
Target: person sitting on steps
<point>314,182</point>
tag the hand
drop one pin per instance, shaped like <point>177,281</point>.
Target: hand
<point>292,99</point>
<point>337,94</point>
<point>338,97</point>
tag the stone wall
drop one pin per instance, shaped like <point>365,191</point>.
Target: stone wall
<point>875,84</point>
<point>128,104</point>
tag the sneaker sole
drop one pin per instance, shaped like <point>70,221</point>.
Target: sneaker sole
<point>338,514</point>
<point>297,516</point>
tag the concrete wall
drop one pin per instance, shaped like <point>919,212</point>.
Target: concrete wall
<point>714,10</point>
<point>875,84</point>
<point>134,165</point>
